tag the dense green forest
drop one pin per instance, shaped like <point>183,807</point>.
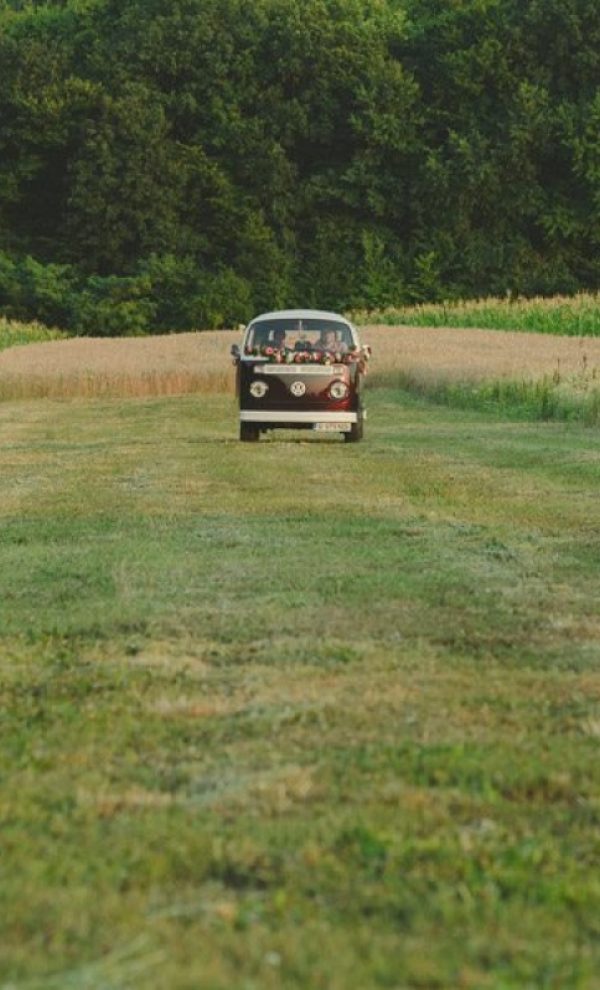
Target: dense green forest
<point>167,165</point>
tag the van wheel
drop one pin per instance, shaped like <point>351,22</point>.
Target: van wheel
<point>249,433</point>
<point>356,431</point>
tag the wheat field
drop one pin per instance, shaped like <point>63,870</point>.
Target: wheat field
<point>174,364</point>
<point>184,363</point>
<point>444,354</point>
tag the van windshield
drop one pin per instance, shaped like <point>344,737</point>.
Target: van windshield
<point>302,335</point>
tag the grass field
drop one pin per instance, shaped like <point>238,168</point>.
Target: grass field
<point>573,316</point>
<point>297,715</point>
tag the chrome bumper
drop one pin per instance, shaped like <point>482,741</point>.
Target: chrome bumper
<point>268,416</point>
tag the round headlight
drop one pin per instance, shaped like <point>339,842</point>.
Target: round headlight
<point>259,389</point>
<point>338,390</point>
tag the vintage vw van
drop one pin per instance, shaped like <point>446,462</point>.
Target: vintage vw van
<point>300,369</point>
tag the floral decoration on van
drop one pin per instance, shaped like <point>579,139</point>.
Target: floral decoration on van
<point>284,355</point>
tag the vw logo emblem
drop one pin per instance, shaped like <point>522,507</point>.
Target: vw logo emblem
<point>298,389</point>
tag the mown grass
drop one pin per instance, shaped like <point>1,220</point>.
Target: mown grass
<point>13,333</point>
<point>572,316</point>
<point>297,714</point>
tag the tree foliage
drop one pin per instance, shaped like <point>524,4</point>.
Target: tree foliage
<point>164,166</point>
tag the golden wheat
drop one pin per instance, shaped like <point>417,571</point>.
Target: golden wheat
<point>451,355</point>
<point>199,362</point>
<point>86,367</point>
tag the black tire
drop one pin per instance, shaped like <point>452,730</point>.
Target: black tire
<point>249,433</point>
<point>355,433</point>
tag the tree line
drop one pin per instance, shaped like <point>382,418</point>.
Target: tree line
<point>166,166</point>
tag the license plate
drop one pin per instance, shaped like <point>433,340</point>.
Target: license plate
<point>332,427</point>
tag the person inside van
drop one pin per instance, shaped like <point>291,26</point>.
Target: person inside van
<point>279,338</point>
<point>328,341</point>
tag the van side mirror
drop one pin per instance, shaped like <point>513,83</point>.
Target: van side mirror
<point>235,351</point>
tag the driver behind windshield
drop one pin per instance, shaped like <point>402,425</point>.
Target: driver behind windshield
<point>279,338</point>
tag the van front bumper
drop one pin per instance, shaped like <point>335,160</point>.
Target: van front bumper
<point>299,416</point>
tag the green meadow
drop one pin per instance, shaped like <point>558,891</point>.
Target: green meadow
<point>577,315</point>
<point>13,333</point>
<point>298,714</point>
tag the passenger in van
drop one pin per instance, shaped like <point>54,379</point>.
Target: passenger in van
<point>279,338</point>
<point>328,341</point>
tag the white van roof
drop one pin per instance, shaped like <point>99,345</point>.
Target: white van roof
<point>300,314</point>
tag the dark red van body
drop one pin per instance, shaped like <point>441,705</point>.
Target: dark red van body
<point>300,369</point>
